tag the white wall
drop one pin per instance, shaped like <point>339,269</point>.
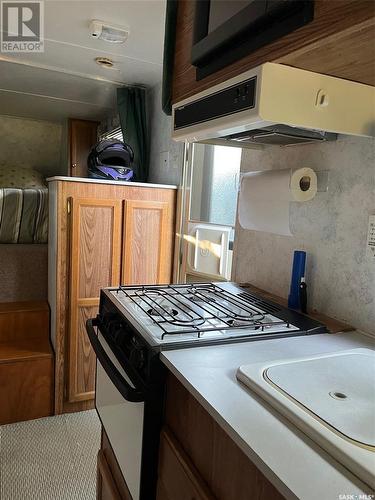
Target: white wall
<point>332,229</point>
<point>31,143</point>
<point>161,142</point>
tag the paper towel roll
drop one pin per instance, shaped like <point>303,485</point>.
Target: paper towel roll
<point>265,197</point>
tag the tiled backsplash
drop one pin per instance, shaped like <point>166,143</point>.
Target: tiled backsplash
<point>332,229</point>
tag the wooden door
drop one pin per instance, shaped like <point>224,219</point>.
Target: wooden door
<point>83,136</point>
<point>146,237</point>
<point>95,263</point>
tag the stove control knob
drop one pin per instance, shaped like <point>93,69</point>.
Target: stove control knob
<point>115,329</point>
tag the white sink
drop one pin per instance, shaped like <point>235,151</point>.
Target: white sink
<point>329,397</point>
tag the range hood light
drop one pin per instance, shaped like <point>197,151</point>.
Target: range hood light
<point>108,32</point>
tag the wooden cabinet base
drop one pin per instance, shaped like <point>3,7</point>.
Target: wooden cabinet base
<point>225,469</point>
<point>178,478</point>
<point>26,362</point>
<point>110,483</point>
<point>26,389</point>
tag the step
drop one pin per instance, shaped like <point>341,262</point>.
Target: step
<point>26,362</point>
<point>20,320</point>
<point>22,350</point>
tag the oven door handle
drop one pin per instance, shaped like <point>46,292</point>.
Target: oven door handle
<point>125,389</point>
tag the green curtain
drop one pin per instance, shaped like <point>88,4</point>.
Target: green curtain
<point>131,103</point>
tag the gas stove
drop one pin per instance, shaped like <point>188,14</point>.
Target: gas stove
<point>134,324</point>
<point>171,315</point>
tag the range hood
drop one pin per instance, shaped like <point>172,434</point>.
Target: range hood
<point>275,104</point>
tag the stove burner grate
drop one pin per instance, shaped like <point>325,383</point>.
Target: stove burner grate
<point>196,308</point>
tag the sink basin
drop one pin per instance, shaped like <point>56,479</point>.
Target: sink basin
<point>329,397</point>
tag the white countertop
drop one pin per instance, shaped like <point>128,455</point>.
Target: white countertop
<point>297,466</point>
<point>117,183</point>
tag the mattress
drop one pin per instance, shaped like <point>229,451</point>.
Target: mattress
<point>23,215</point>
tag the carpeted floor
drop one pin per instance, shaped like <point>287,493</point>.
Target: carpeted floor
<point>51,458</point>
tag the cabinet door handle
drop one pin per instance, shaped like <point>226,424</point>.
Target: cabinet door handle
<point>74,165</point>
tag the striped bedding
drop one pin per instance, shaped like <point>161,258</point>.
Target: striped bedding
<point>23,215</point>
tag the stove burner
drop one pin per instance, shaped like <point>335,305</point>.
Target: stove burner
<point>161,311</point>
<point>199,308</point>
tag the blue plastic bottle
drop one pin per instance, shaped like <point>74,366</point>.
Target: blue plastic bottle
<point>298,272</point>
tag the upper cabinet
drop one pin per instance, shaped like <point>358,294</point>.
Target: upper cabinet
<point>338,41</point>
<point>82,137</point>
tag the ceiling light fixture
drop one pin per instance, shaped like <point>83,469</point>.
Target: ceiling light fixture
<point>108,32</point>
<point>104,62</point>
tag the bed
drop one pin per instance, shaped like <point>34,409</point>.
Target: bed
<point>23,215</point>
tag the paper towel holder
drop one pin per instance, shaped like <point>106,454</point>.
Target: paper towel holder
<point>322,177</point>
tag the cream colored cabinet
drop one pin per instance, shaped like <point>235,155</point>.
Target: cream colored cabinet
<point>100,235</point>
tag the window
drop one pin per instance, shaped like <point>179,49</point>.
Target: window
<point>214,185</point>
<point>116,133</point>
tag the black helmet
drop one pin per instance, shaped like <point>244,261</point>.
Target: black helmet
<point>111,159</point>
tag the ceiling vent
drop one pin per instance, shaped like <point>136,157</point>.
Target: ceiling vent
<point>108,32</point>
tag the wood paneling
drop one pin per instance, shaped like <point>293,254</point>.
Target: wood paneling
<point>63,191</point>
<point>147,238</point>
<point>95,264</point>
<point>82,137</point>
<point>18,317</point>
<point>178,477</point>
<point>106,488</point>
<point>228,472</point>
<point>26,385</point>
<point>118,483</point>
<point>26,362</point>
<point>349,54</point>
<point>340,34</point>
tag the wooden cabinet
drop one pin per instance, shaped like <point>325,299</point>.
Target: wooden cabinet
<point>110,484</point>
<point>100,235</point>
<point>178,478</point>
<point>228,473</point>
<point>82,137</point>
<point>338,42</point>
<point>106,488</point>
<point>26,362</point>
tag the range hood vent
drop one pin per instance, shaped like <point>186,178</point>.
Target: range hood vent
<point>280,135</point>
<point>279,105</point>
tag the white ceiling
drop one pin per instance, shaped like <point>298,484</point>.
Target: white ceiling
<point>65,81</point>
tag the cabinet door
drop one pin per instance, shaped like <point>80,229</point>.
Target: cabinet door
<point>83,136</point>
<point>94,264</point>
<point>106,488</point>
<point>110,480</point>
<point>178,478</point>
<point>146,238</point>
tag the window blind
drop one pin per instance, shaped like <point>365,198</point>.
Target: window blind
<point>116,133</point>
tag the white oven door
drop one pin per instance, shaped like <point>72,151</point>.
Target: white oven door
<point>122,419</point>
